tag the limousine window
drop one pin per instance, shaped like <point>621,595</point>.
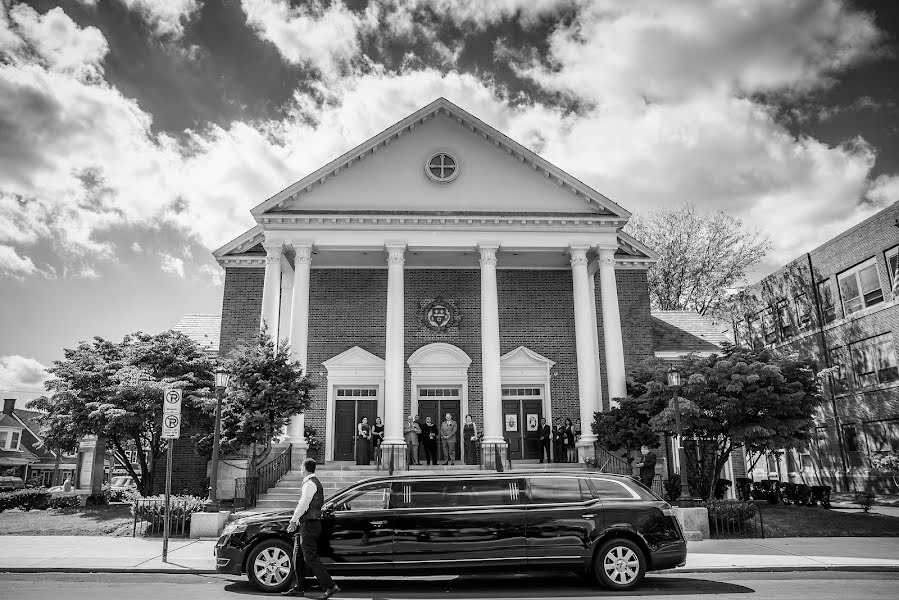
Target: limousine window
<point>371,497</point>
<point>457,493</point>
<point>556,490</point>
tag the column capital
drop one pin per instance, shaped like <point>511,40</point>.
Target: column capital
<point>607,257</point>
<point>273,252</point>
<point>578,256</point>
<point>396,253</point>
<point>302,253</point>
<point>488,254</point>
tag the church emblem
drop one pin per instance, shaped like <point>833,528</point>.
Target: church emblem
<point>439,315</point>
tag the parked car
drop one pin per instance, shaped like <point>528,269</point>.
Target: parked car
<point>122,482</point>
<point>609,526</point>
<point>9,484</point>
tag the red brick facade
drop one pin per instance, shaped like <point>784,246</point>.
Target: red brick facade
<point>865,413</point>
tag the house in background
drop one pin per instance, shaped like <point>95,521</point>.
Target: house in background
<point>839,305</point>
<point>20,455</point>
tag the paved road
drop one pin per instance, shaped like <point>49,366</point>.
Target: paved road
<point>755,586</point>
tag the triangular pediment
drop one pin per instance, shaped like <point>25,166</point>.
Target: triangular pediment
<point>523,358</point>
<point>355,357</point>
<point>387,174</point>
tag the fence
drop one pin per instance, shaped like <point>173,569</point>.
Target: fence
<point>246,492</point>
<point>149,516</point>
<point>268,474</point>
<point>729,521</point>
<point>606,462</point>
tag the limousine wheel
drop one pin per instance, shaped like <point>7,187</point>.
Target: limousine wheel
<point>619,565</point>
<point>268,566</point>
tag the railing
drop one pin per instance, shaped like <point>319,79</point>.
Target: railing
<point>246,492</point>
<point>149,516</point>
<point>606,462</point>
<point>268,474</point>
<point>736,524</point>
<point>494,456</point>
<point>657,486</point>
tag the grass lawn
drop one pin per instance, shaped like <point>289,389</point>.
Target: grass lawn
<point>91,520</point>
<point>814,521</point>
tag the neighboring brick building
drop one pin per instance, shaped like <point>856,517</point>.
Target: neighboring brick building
<point>442,267</point>
<point>20,451</point>
<point>839,304</point>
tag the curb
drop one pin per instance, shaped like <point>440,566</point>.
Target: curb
<point>111,570</point>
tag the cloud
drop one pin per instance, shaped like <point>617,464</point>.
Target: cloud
<point>22,374</point>
<point>172,265</point>
<point>166,17</point>
<point>13,264</point>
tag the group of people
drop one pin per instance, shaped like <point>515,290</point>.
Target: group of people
<point>426,436</point>
<point>562,439</point>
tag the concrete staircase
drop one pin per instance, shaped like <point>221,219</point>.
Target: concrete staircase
<point>335,476</point>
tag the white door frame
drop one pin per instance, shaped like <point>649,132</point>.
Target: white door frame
<point>523,367</point>
<point>441,365</point>
<point>352,368</point>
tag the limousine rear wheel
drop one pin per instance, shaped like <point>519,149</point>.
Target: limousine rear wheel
<point>269,565</point>
<point>619,565</point>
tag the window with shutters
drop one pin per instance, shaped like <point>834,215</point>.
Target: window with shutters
<point>860,287</point>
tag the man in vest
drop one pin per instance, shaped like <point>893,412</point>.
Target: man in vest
<point>307,518</point>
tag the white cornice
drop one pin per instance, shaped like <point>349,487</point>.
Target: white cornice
<point>579,223</point>
<point>443,107</point>
<point>241,243</point>
<point>242,261</point>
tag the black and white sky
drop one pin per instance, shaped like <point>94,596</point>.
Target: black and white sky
<point>135,135</point>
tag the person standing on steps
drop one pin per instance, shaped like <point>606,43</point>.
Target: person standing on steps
<point>546,435</point>
<point>429,441</point>
<point>558,447</point>
<point>377,436</point>
<point>306,527</point>
<point>647,466</point>
<point>411,431</point>
<point>470,439</point>
<point>363,442</point>
<point>448,430</point>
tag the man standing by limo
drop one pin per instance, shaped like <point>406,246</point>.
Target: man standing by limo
<point>307,518</point>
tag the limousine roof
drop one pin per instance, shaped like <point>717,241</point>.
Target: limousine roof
<point>405,475</point>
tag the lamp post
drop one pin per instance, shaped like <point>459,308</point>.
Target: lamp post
<point>684,501</point>
<point>221,383</point>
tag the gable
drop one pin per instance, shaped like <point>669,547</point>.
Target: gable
<point>355,357</point>
<point>387,173</point>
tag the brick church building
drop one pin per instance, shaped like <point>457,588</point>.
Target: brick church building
<point>442,267</point>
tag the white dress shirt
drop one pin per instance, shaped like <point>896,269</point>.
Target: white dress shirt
<point>308,491</point>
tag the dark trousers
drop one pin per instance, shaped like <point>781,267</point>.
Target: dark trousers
<point>305,554</point>
<point>559,452</point>
<point>431,452</point>
<point>544,449</point>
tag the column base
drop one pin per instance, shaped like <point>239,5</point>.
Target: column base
<point>299,452</point>
<point>393,457</point>
<point>586,451</point>
<point>495,456</point>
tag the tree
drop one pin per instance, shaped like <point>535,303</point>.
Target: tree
<point>758,398</point>
<point>701,256</point>
<point>626,427</point>
<point>265,391</point>
<point>56,432</point>
<point>115,390</point>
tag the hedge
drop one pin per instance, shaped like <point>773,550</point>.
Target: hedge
<point>735,511</point>
<point>27,499</point>
<point>65,501</point>
<point>151,510</point>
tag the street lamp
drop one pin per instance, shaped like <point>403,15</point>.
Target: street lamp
<point>684,501</point>
<point>222,377</point>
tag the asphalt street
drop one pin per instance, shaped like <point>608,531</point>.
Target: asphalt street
<point>757,586</point>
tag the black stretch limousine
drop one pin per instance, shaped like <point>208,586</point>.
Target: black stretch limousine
<point>608,526</point>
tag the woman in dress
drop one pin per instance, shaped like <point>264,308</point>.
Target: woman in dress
<point>363,442</point>
<point>470,438</point>
<point>377,436</point>
<point>570,448</point>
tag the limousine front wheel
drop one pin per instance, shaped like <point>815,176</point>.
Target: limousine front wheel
<point>619,565</point>
<point>268,566</point>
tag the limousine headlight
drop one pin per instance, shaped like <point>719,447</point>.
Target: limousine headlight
<point>238,526</point>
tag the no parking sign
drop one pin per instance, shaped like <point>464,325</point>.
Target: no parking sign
<point>171,414</point>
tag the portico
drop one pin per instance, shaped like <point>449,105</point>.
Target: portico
<point>505,219</point>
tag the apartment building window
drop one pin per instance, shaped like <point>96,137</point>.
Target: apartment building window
<point>882,436</point>
<point>767,318</point>
<point>840,377</point>
<point>803,314</point>
<point>853,449</point>
<point>755,329</point>
<point>785,319</point>
<point>874,360</point>
<point>825,296</point>
<point>860,287</point>
<point>892,259</point>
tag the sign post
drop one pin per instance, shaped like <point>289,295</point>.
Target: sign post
<point>171,431</point>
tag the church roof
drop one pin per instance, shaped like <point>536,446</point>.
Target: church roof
<point>204,329</point>
<point>686,332</point>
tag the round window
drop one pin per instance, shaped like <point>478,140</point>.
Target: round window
<point>442,167</point>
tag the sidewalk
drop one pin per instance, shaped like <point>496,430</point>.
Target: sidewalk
<point>77,554</point>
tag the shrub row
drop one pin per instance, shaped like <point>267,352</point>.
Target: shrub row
<point>735,511</point>
<point>27,499</point>
<point>151,510</point>
<point>775,492</point>
<point>696,485</point>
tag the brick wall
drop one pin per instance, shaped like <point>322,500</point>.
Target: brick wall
<point>188,472</point>
<point>241,305</point>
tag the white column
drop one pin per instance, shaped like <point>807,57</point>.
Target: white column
<point>583,327</point>
<point>271,290</point>
<point>299,331</point>
<point>490,356</point>
<point>611,325</point>
<point>595,331</point>
<point>394,348</point>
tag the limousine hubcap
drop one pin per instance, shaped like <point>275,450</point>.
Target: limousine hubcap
<point>272,565</point>
<point>621,565</point>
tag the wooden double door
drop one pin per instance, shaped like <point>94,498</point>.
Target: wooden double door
<point>350,406</point>
<point>521,422</point>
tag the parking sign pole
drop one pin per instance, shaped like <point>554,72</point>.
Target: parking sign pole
<point>168,502</point>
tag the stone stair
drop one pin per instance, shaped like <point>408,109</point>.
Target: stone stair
<point>335,476</point>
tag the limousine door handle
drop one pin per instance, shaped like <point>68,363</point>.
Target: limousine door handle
<point>377,523</point>
<point>589,516</point>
